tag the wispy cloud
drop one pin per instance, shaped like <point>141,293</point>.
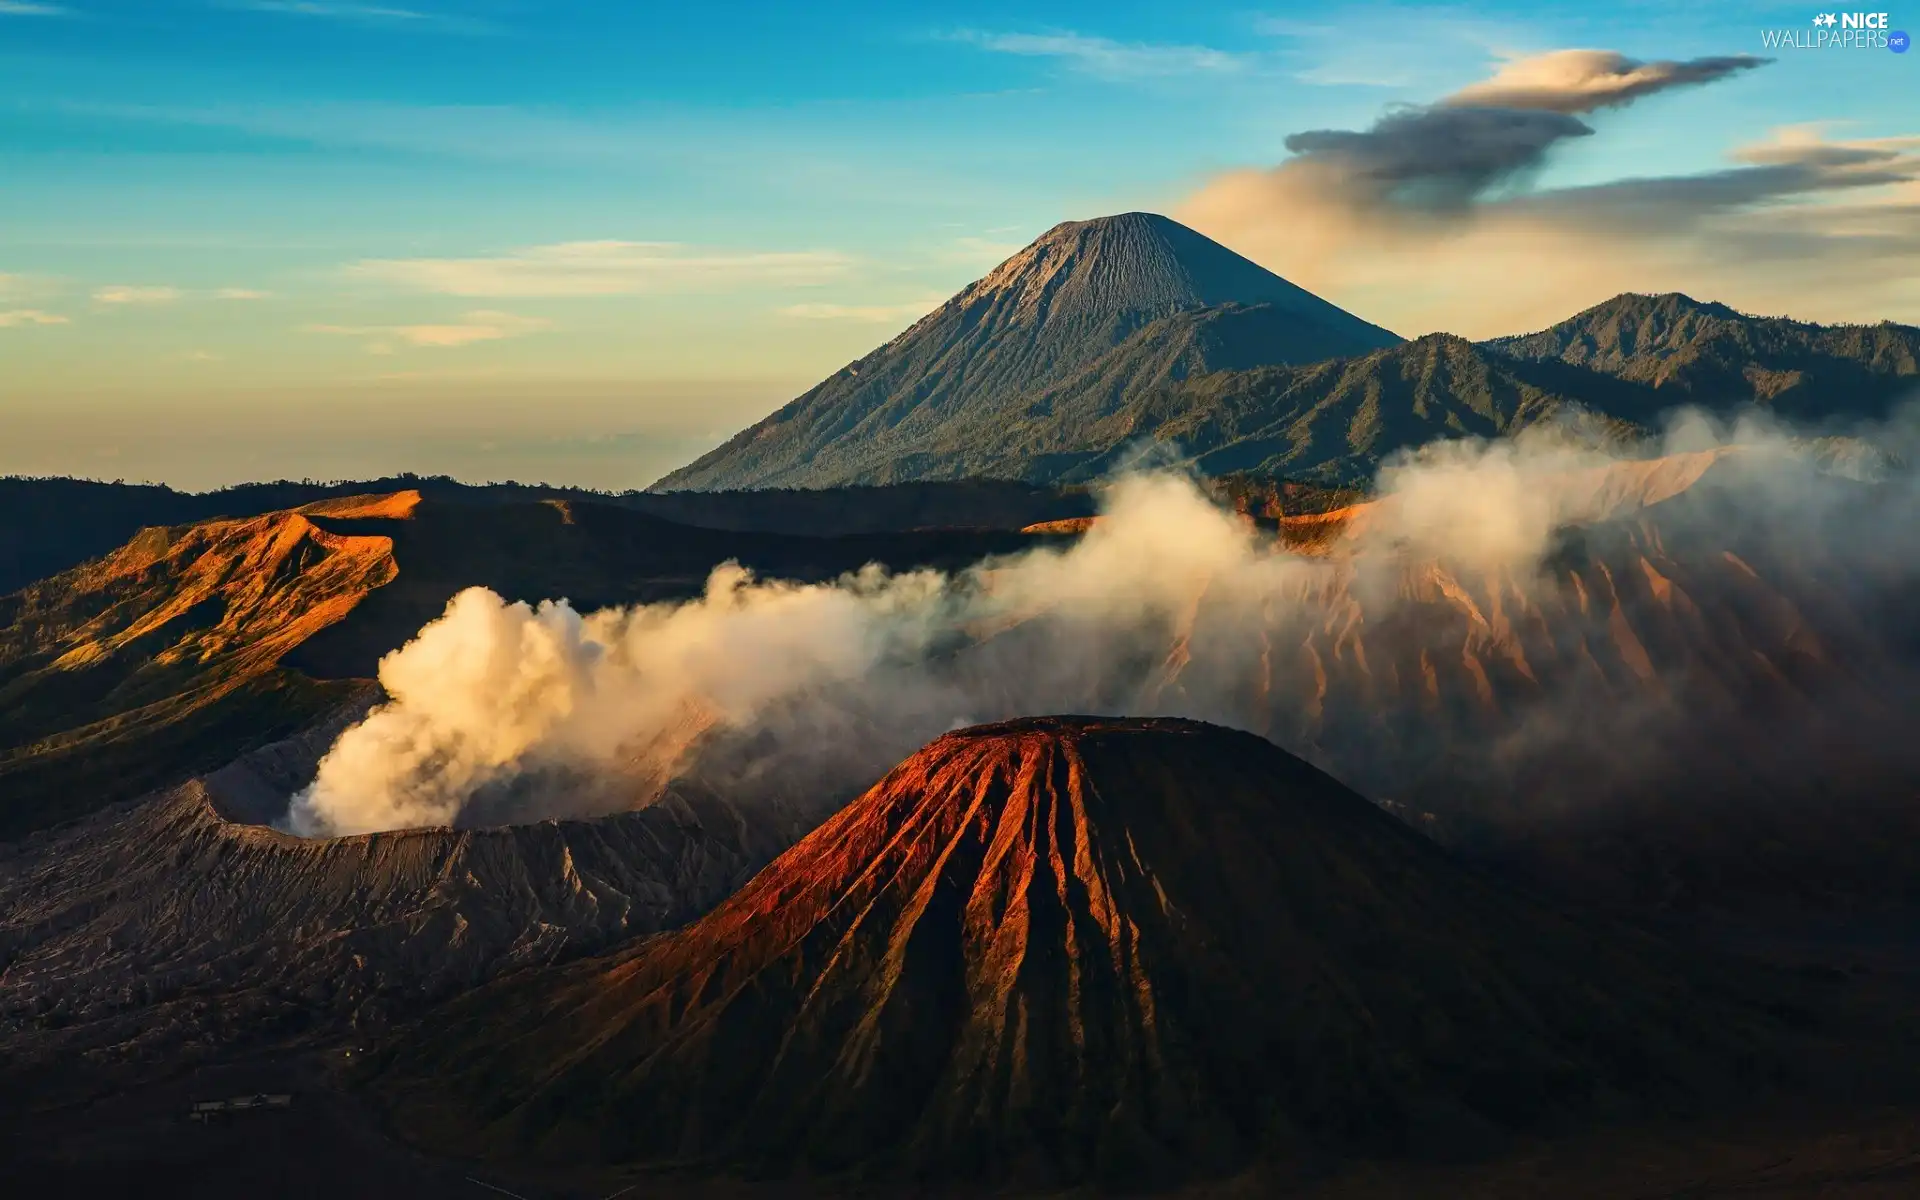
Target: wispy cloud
<point>1404,47</point>
<point>353,12</point>
<point>1429,218</point>
<point>125,293</point>
<point>493,132</point>
<point>875,314</point>
<point>1443,157</point>
<point>1581,81</point>
<point>603,269</point>
<point>19,8</point>
<point>131,294</point>
<point>483,325</point>
<point>365,14</point>
<point>1106,58</point>
<point>19,317</point>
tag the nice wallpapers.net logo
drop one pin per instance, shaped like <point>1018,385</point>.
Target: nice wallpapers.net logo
<point>1840,31</point>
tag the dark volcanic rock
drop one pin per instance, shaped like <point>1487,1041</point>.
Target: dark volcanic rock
<point>168,929</point>
<point>1075,948</point>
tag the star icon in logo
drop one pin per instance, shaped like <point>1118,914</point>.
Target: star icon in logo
<point>1827,19</point>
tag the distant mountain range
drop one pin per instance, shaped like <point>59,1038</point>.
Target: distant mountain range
<point>49,525</point>
<point>1108,334</point>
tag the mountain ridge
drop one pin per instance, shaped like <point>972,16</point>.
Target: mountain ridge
<point>48,525</point>
<point>1073,294</point>
<point>1693,351</point>
<point>1328,421</point>
<point>190,644</point>
<point>1263,383</point>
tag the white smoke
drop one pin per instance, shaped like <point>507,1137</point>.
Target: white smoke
<point>534,711</point>
<point>1169,605</point>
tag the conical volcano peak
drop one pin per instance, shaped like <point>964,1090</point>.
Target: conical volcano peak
<point>1114,307</point>
<point>1086,948</point>
<point>1135,263</point>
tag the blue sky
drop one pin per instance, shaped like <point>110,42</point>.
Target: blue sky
<point>244,238</point>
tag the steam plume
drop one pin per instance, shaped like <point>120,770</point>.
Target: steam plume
<point>1168,606</point>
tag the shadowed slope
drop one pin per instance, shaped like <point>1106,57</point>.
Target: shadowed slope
<point>1072,947</point>
<point>1333,419</point>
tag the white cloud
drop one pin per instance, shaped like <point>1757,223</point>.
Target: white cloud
<point>1581,81</point>
<point>365,14</point>
<point>1825,230</point>
<point>123,293</point>
<point>358,12</point>
<point>607,268</point>
<point>18,8</point>
<point>1403,48</point>
<point>483,325</point>
<point>878,314</point>
<point>29,316</point>
<point>126,293</point>
<point>1109,59</point>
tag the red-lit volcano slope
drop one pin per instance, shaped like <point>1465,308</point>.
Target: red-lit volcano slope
<point>1077,948</point>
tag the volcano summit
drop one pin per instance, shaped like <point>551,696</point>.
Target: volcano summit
<point>1176,302</point>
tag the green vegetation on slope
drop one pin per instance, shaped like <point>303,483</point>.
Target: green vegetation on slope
<point>1704,353</point>
<point>1330,421</point>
